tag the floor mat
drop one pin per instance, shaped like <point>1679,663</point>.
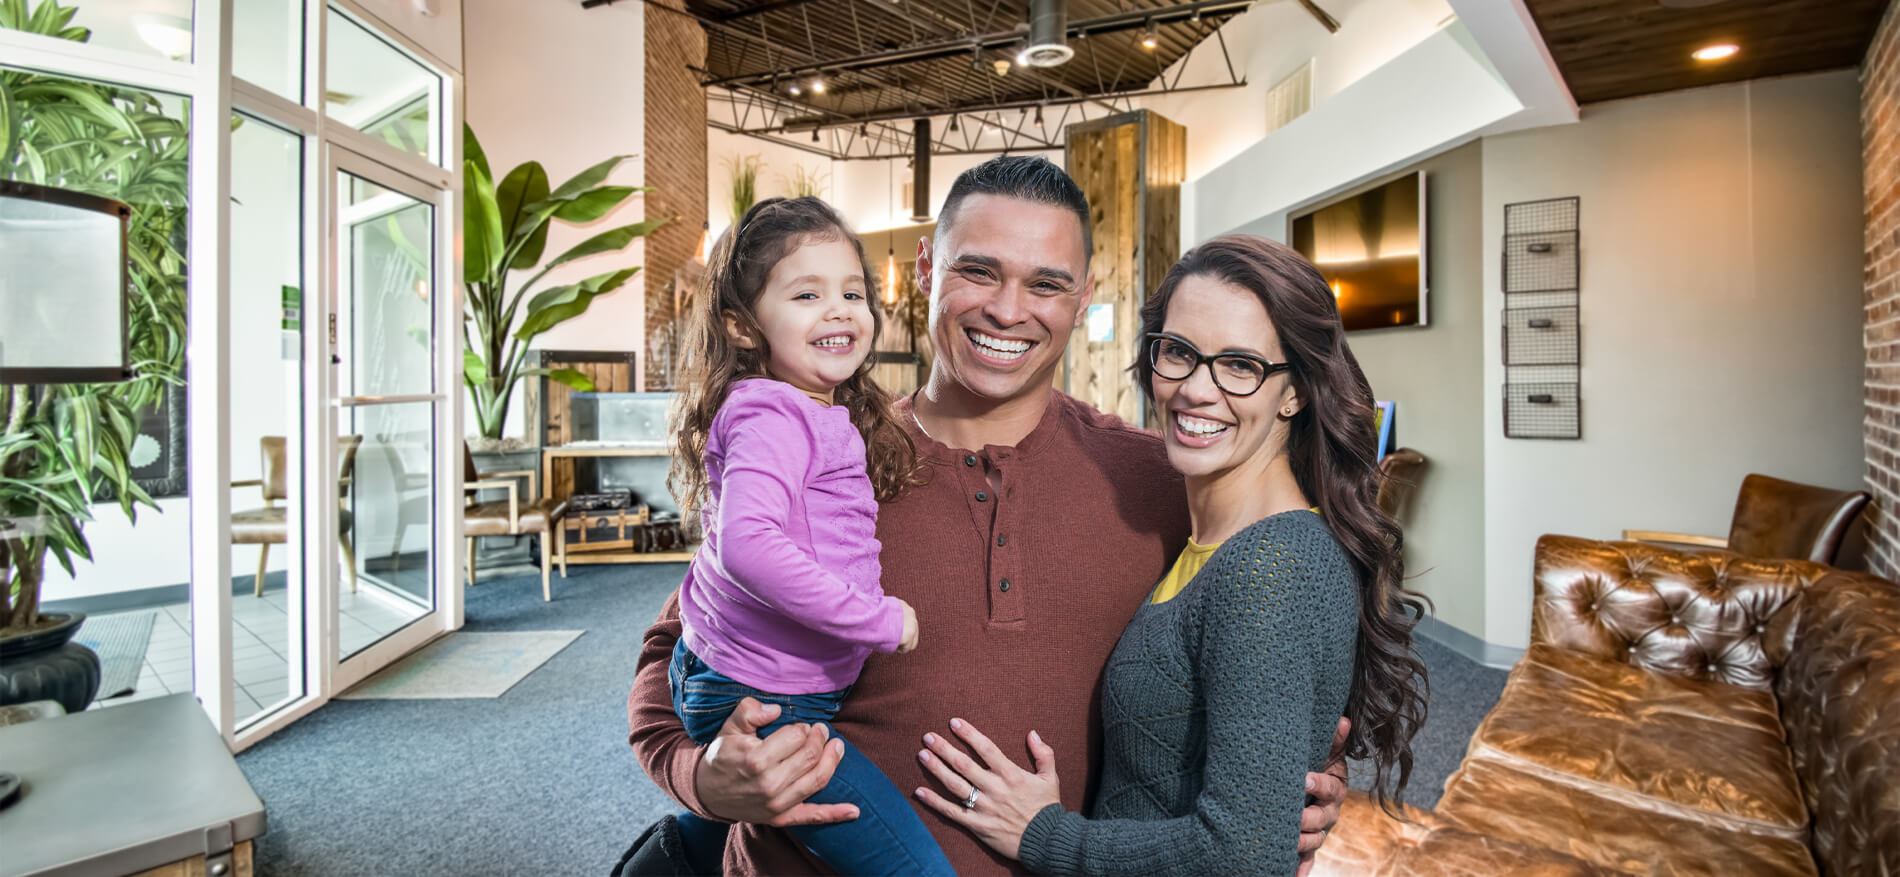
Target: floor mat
<point>120,642</point>
<point>465,665</point>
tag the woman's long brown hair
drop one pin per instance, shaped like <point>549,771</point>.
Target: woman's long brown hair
<point>734,280</point>
<point>1331,444</point>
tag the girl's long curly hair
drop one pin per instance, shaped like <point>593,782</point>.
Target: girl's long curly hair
<point>1331,444</point>
<point>734,280</point>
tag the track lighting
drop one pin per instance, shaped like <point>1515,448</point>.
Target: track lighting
<point>1151,37</point>
<point>817,86</point>
<point>863,130</point>
<point>795,90</point>
<point>953,122</point>
<point>1039,116</point>
<point>814,135</point>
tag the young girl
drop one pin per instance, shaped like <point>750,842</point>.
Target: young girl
<point>785,446</point>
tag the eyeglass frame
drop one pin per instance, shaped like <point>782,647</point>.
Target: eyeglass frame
<point>1268,367</point>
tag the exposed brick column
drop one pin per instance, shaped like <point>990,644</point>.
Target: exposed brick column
<point>675,153</point>
<point>1880,153</point>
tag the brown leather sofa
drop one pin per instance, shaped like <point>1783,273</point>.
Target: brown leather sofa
<point>1675,714</point>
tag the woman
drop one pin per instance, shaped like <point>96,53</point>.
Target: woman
<point>1285,611</point>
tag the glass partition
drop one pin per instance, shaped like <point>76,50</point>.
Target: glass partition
<point>149,27</point>
<point>380,90</point>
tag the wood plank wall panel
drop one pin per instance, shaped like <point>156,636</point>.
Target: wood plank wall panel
<point>1130,167</point>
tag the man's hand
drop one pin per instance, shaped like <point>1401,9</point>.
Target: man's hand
<point>745,779</point>
<point>909,641</point>
<point>1328,791</point>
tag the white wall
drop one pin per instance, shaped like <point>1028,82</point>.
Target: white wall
<point>1435,373</point>
<point>562,85</point>
<point>776,164</point>
<point>871,193</point>
<point>1721,272</point>
<point>1430,97</point>
<point>1272,40</point>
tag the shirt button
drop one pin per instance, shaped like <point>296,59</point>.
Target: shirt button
<point>1004,586</point>
<point>982,497</point>
<point>1002,540</point>
<point>969,459</point>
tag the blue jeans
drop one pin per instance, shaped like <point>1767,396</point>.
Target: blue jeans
<point>886,838</point>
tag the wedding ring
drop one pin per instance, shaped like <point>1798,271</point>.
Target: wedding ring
<point>970,802</point>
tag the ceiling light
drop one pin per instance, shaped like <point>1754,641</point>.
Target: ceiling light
<point>817,86</point>
<point>1715,52</point>
<point>796,91</point>
<point>1151,37</point>
<point>1038,116</point>
<point>953,121</point>
<point>169,34</point>
<point>1046,46</point>
<point>814,135</point>
<point>1002,66</point>
<point>863,130</point>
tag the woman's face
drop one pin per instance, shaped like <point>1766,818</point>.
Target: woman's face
<point>1210,432</point>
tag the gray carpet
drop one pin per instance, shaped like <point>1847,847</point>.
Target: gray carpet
<point>540,780</point>
<point>120,642</point>
<point>1462,691</point>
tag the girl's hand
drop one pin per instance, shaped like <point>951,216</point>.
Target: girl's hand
<point>909,640</point>
<point>1007,797</point>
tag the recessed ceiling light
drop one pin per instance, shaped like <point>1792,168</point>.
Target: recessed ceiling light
<point>1716,52</point>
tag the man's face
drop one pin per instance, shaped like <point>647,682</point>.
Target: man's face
<point>1009,281</point>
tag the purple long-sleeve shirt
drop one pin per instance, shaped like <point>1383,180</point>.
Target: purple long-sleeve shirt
<point>784,594</point>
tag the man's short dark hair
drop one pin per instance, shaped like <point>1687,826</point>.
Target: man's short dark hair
<point>1031,178</point>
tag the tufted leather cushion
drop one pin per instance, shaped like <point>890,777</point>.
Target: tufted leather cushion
<point>1597,824</point>
<point>491,518</point>
<point>1776,518</point>
<point>1707,750</point>
<point>1701,616</point>
<point>1368,842</point>
<point>1840,701</point>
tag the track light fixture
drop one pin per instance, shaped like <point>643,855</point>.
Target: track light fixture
<point>1038,115</point>
<point>863,130</point>
<point>795,90</point>
<point>953,122</point>
<point>814,135</point>
<point>817,85</point>
<point>1151,37</point>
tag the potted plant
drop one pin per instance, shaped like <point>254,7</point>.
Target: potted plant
<point>506,230</point>
<point>62,445</point>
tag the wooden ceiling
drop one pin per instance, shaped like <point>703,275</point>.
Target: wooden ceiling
<point>1608,49</point>
<point>750,40</point>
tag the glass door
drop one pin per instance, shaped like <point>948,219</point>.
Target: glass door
<point>386,331</point>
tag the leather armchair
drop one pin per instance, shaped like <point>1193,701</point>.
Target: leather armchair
<point>1398,480</point>
<point>1776,518</point>
<point>270,525</point>
<point>513,517</point>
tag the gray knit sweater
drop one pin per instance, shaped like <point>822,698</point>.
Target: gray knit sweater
<point>1215,705</point>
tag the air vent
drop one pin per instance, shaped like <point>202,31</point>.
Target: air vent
<point>1290,98</point>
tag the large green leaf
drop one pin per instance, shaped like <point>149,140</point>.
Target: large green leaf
<point>525,185</point>
<point>472,150</point>
<point>593,205</point>
<point>474,370</point>
<point>608,241</point>
<point>481,227</point>
<point>571,378</point>
<point>586,179</point>
<point>562,303</point>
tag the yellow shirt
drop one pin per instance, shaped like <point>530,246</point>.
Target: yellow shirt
<point>1189,564</point>
<point>1192,558</point>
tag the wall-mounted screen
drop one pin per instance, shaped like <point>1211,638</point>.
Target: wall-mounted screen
<point>1371,249</point>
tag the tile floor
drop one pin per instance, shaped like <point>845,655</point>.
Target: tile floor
<point>260,646</point>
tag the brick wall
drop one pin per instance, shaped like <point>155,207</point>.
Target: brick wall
<point>675,158</point>
<point>1880,144</point>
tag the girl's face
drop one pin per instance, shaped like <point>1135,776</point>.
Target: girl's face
<point>1211,432</point>
<point>815,315</point>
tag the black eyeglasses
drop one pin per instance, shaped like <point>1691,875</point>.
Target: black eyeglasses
<point>1172,358</point>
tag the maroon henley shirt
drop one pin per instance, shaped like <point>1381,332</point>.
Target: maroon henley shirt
<point>1024,564</point>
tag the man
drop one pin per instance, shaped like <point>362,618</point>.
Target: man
<point>1040,529</point>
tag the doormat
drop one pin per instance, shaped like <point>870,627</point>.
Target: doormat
<point>120,642</point>
<point>464,665</point>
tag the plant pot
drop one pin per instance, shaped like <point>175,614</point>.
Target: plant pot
<point>48,665</point>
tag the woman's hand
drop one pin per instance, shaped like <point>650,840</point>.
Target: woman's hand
<point>1007,797</point>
